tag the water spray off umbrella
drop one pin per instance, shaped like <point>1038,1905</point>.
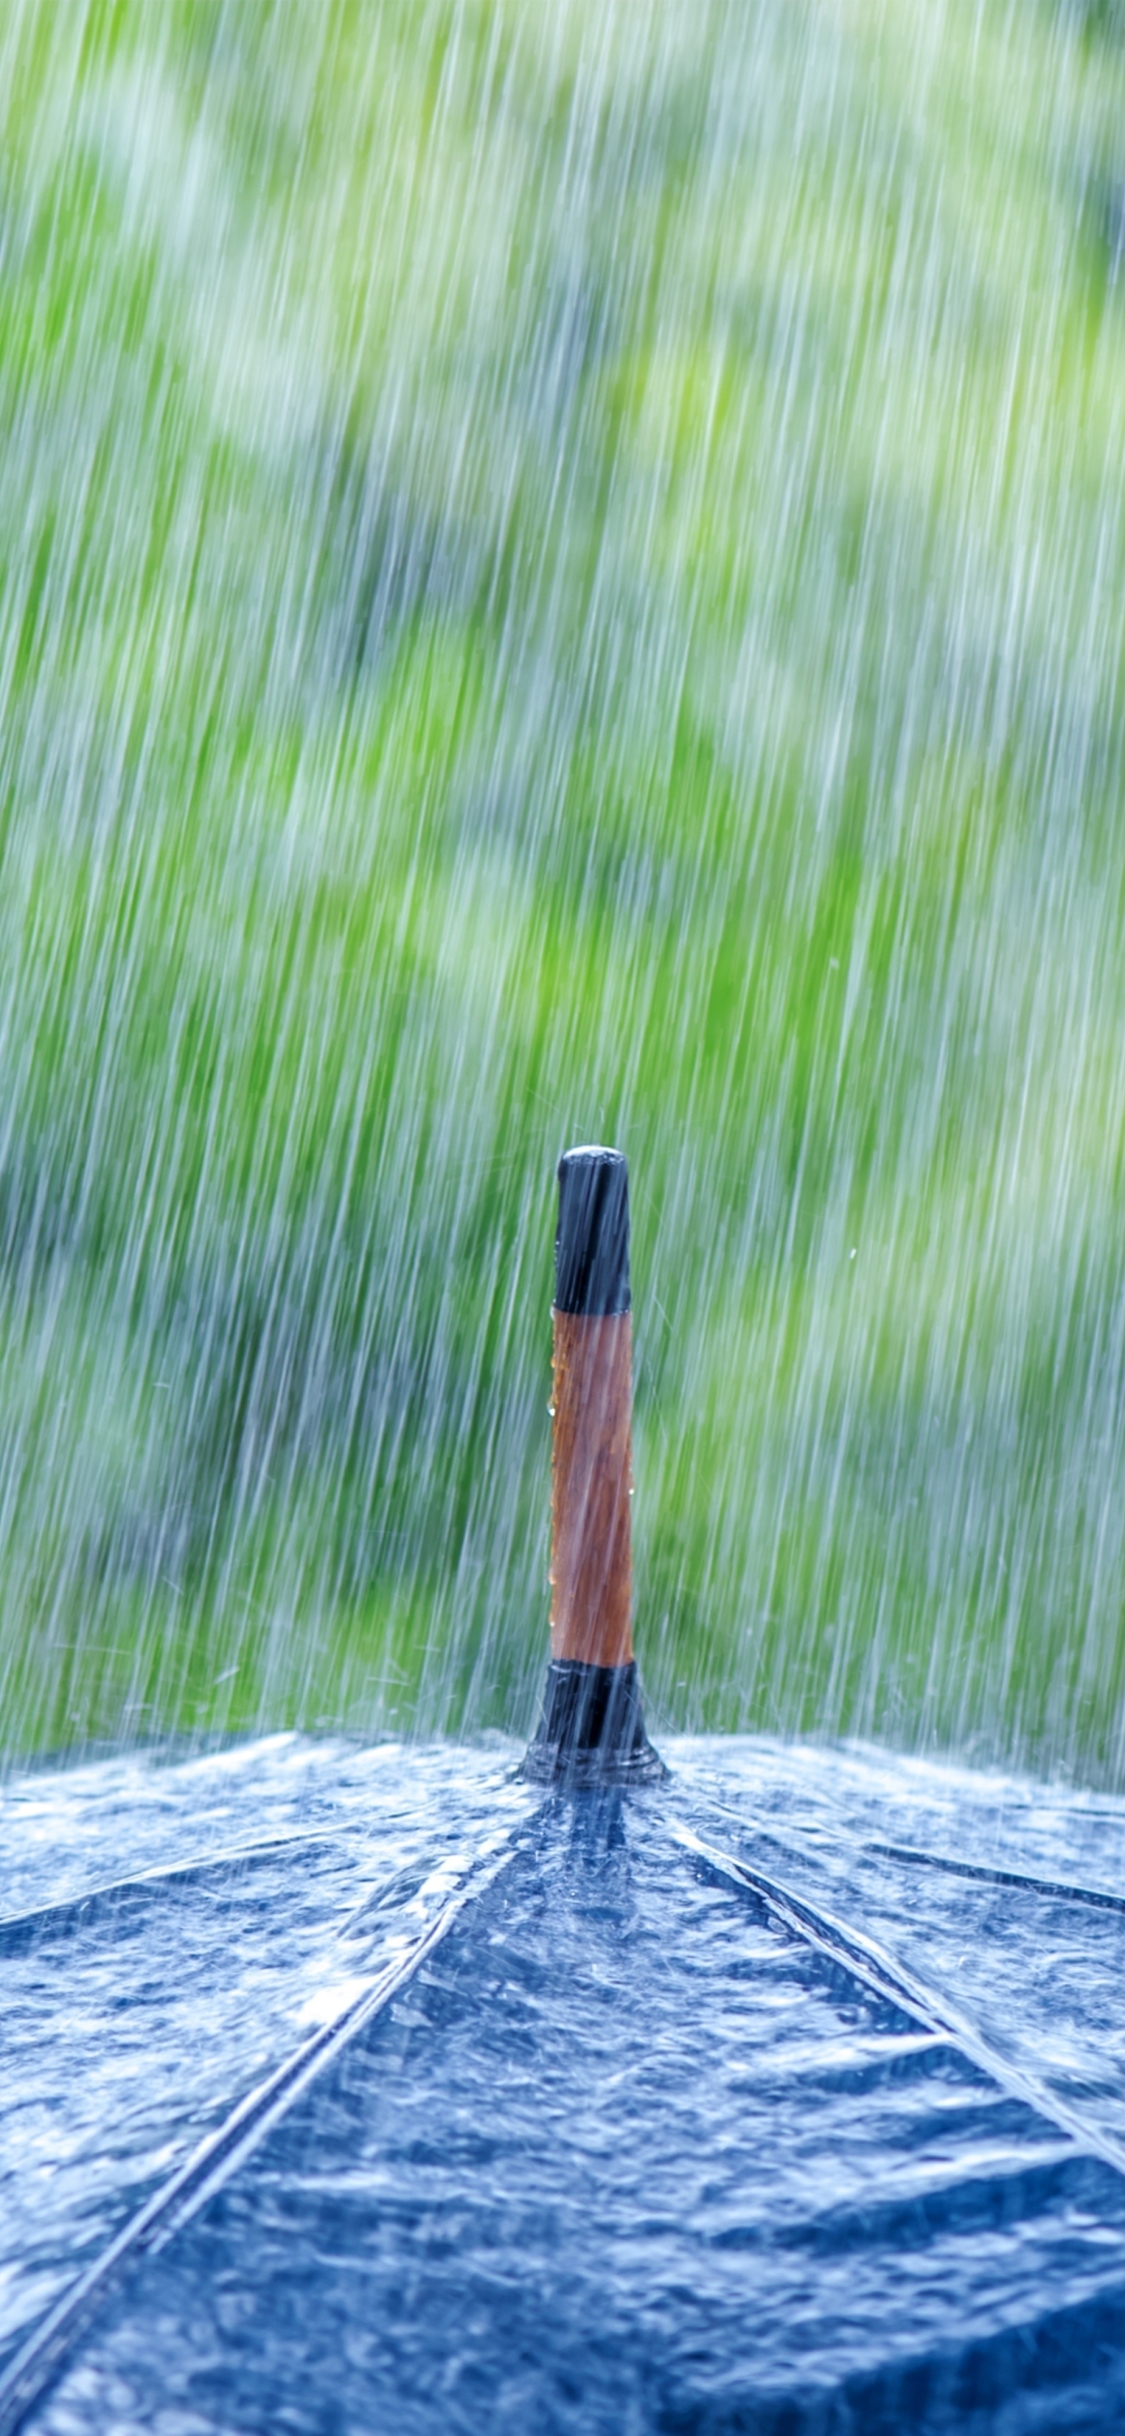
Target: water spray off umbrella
<point>592,1728</point>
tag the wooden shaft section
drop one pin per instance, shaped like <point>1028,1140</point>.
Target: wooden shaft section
<point>592,1729</point>
<point>591,1484</point>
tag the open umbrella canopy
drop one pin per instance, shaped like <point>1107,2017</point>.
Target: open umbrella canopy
<point>786,2094</point>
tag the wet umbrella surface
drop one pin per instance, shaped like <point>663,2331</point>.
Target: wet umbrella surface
<point>788,2095</point>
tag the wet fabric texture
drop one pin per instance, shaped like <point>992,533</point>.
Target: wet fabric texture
<point>787,2096</point>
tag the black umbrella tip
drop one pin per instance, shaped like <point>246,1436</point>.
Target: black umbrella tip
<point>592,1243</point>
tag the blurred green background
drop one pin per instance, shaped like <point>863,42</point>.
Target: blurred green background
<point>562,578</point>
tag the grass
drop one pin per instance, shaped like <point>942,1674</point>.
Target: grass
<point>562,578</point>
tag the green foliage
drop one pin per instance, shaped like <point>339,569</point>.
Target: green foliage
<point>562,576</point>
